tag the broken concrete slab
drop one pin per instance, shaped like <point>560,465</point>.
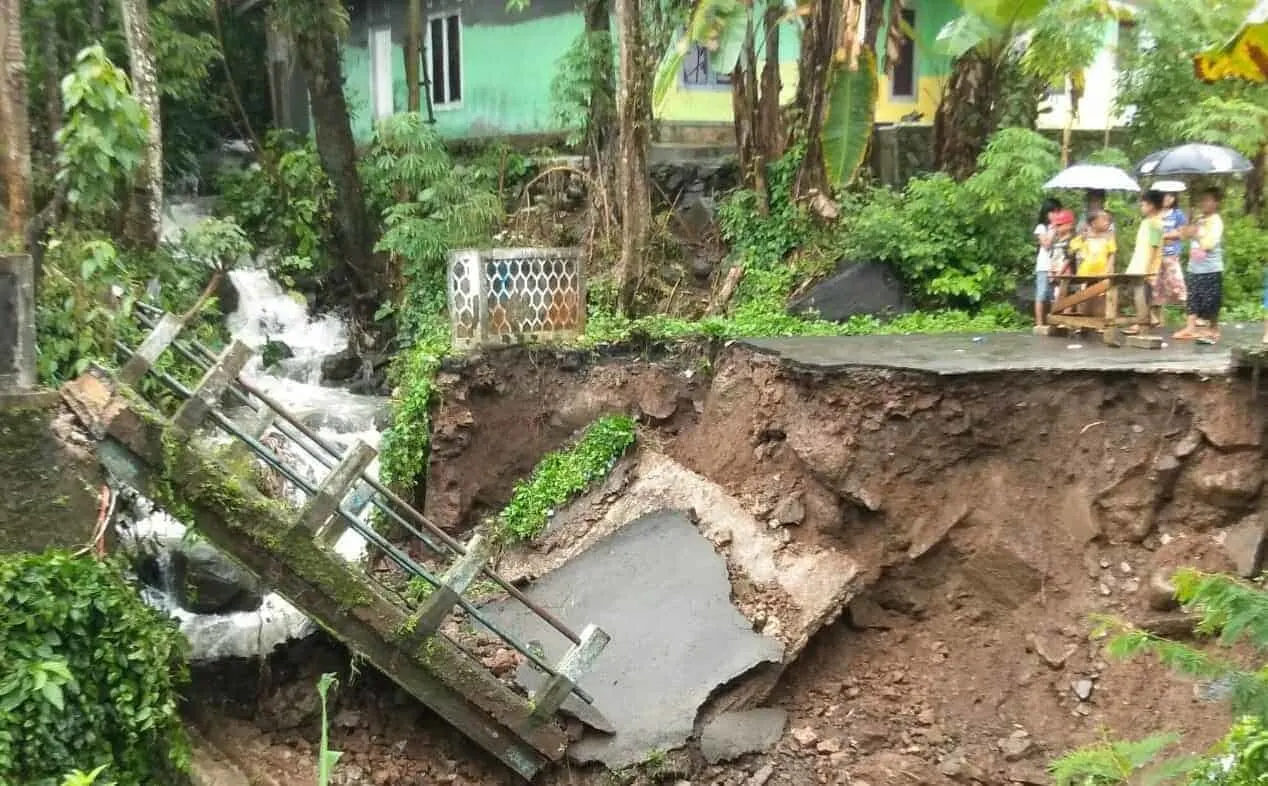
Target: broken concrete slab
<point>659,589</point>
<point>798,589</point>
<point>735,734</point>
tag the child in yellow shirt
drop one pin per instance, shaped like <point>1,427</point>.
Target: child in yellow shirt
<point>1096,250</point>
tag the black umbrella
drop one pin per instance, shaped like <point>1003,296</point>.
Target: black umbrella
<point>1193,160</point>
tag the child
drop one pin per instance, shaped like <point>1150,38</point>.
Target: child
<point>1206,271</point>
<point>1147,255</point>
<point>1094,252</point>
<point>1060,260</point>
<point>1043,236</point>
<point>1168,286</point>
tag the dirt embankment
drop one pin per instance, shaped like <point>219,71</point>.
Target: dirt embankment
<point>991,516</point>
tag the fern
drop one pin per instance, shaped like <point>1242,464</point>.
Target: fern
<point>1110,762</point>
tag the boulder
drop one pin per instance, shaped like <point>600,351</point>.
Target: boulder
<point>1244,544</point>
<point>227,295</point>
<point>208,582</point>
<point>1227,480</point>
<point>735,734</point>
<point>862,288</point>
<point>273,351</point>
<point>341,366</point>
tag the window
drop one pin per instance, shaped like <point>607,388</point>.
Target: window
<point>381,71</point>
<point>444,60</point>
<point>697,71</point>
<point>902,80</point>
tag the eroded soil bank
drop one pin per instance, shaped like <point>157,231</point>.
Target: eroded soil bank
<point>990,517</point>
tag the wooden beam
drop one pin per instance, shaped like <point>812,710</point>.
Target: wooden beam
<point>160,338</point>
<point>574,663</point>
<point>330,494</point>
<point>436,606</point>
<point>212,387</point>
<point>1082,296</point>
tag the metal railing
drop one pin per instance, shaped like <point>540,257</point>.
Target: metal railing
<point>586,645</point>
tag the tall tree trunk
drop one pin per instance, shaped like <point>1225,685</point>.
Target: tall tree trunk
<point>633,110</point>
<point>770,126</point>
<point>414,57</point>
<point>318,53</point>
<point>15,124</point>
<point>97,17</point>
<point>52,85</point>
<point>814,66</point>
<point>146,210</point>
<point>967,114</point>
<point>601,115</point>
<point>1253,202</point>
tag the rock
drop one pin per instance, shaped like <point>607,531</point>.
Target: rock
<point>1225,421</point>
<point>1052,650</point>
<point>858,288</point>
<point>227,295</point>
<point>830,745</point>
<point>208,582</point>
<point>956,766</point>
<point>1002,575</point>
<point>735,734</point>
<point>1082,689</point>
<point>659,401</point>
<point>1017,746</point>
<point>762,775</point>
<point>1226,480</point>
<point>887,768</point>
<point>273,351</point>
<point>1244,544</point>
<point>805,736</point>
<point>1161,593</point>
<point>341,366</point>
<point>1188,444</point>
<point>789,510</point>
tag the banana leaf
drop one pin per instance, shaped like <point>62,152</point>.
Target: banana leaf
<point>667,72</point>
<point>847,128</point>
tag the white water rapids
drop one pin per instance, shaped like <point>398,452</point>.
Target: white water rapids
<point>265,312</point>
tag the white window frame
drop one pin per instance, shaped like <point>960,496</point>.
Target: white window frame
<point>382,92</point>
<point>462,71</point>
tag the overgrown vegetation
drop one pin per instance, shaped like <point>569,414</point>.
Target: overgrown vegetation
<point>1229,613</point>
<point>91,675</point>
<point>563,475</point>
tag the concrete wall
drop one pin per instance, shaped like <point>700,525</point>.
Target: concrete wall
<point>48,486</point>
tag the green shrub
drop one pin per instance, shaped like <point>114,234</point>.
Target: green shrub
<point>960,244</point>
<point>1245,255</point>
<point>564,475</point>
<point>91,675</point>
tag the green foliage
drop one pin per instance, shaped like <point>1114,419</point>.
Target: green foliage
<point>428,205</point>
<point>847,125</point>
<point>404,445</point>
<point>563,475</point>
<point>960,244</point>
<point>1240,759</point>
<point>81,778</point>
<point>216,243</point>
<point>73,322</point>
<point>285,205</point>
<point>91,674</point>
<point>102,135</point>
<point>584,74</point>
<point>1110,762</point>
<point>1245,249</point>
<point>326,758</point>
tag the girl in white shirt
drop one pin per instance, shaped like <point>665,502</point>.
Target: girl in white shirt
<point>1043,238</point>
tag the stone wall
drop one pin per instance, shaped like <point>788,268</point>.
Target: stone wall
<point>49,477</point>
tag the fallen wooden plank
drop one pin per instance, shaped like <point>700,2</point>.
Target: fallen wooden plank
<point>1082,296</point>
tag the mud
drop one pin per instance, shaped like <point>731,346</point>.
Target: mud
<point>989,517</point>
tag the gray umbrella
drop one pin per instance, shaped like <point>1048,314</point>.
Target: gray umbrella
<point>1194,159</point>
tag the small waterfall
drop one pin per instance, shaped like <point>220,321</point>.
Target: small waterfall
<point>265,313</point>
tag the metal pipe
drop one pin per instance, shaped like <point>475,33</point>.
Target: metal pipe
<point>395,499</point>
<point>397,556</point>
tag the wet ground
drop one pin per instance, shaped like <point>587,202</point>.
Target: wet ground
<point>952,354</point>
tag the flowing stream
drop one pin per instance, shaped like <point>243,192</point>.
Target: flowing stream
<point>234,617</point>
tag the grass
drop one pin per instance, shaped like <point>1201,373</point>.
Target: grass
<point>564,475</point>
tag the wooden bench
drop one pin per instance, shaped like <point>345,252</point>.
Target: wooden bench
<point>1075,291</point>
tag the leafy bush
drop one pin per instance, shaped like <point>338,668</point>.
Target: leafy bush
<point>103,134</point>
<point>428,206</point>
<point>1245,253</point>
<point>960,244</point>
<point>91,675</point>
<point>582,74</point>
<point>285,204</point>
<point>563,475</point>
<point>404,445</point>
